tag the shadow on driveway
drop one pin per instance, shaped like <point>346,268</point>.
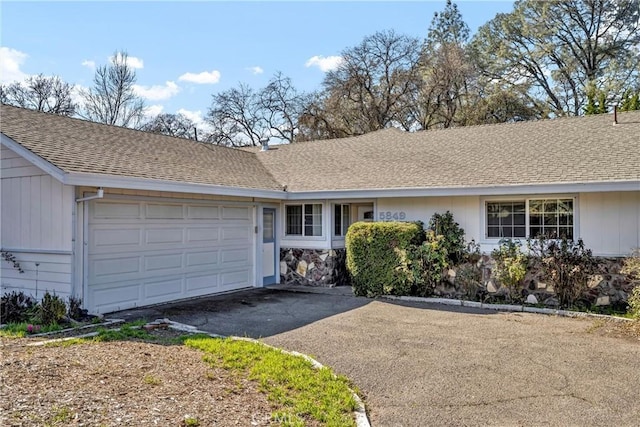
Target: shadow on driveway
<point>260,313</point>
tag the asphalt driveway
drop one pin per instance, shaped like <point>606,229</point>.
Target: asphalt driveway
<point>420,364</point>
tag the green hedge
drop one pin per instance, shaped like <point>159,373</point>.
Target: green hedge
<point>373,255</point>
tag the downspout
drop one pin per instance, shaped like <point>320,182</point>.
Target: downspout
<point>99,195</point>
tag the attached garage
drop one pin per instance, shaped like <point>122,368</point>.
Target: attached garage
<point>148,252</point>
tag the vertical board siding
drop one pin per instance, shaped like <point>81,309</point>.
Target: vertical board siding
<point>610,222</point>
<point>36,213</point>
<point>53,274</point>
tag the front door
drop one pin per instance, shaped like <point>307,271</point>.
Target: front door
<point>268,246</point>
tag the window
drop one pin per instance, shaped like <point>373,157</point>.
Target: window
<point>304,220</point>
<point>342,219</point>
<point>552,218</point>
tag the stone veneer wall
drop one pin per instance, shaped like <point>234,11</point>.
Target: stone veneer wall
<point>326,267</point>
<point>472,282</point>
<point>607,287</point>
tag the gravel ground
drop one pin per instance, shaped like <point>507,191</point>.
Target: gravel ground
<point>121,384</point>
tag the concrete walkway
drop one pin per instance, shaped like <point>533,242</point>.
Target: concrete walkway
<point>419,364</point>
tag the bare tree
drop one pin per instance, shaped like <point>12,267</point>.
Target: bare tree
<point>237,118</point>
<point>368,90</point>
<point>176,125</point>
<point>282,106</point>
<point>41,93</point>
<point>112,99</point>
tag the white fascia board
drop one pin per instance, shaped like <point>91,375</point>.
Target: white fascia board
<point>32,158</point>
<point>587,187</point>
<point>131,183</point>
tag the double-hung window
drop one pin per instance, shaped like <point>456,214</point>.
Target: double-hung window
<point>342,219</point>
<point>530,218</point>
<point>304,220</point>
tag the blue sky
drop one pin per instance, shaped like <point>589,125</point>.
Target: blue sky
<point>186,51</point>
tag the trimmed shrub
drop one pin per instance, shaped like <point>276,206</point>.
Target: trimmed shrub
<point>453,235</point>
<point>374,251</point>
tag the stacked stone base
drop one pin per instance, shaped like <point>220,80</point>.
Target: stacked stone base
<point>310,267</point>
<point>475,282</point>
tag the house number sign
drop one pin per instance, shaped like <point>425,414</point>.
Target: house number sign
<point>392,216</point>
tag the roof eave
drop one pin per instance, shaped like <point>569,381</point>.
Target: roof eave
<point>32,158</point>
<point>148,184</point>
<point>496,190</point>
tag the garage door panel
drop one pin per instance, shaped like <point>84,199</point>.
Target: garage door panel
<point>171,288</point>
<point>234,256</point>
<point>111,210</point>
<point>111,298</point>
<point>153,252</point>
<point>162,236</point>
<point>164,211</point>
<point>114,267</point>
<point>201,285</point>
<point>236,234</point>
<point>202,258</point>
<point>236,213</point>
<point>113,240</point>
<point>163,262</point>
<point>203,212</point>
<point>203,235</point>
<point>234,279</point>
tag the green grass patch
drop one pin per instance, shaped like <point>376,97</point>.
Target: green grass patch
<point>291,382</point>
<point>127,331</point>
<point>23,329</point>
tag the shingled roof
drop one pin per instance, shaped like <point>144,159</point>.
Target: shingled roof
<point>567,150</point>
<point>578,150</point>
<point>80,146</point>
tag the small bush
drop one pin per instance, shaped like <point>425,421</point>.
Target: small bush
<point>469,279</point>
<point>422,266</point>
<point>453,235</point>
<point>76,312</point>
<point>631,269</point>
<point>566,265</point>
<point>51,310</point>
<point>16,307</point>
<point>374,251</point>
<point>511,265</point>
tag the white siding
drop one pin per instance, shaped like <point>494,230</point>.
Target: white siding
<point>53,274</point>
<point>36,222</point>
<point>465,211</point>
<point>610,222</point>
<point>13,165</point>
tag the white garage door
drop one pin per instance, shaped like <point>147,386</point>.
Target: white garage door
<point>142,253</point>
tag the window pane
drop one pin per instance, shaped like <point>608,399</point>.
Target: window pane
<point>566,232</point>
<point>535,206</point>
<point>535,219</point>
<point>346,219</point>
<point>550,219</point>
<point>519,232</point>
<point>493,219</point>
<point>550,205</point>
<point>565,219</point>
<point>313,220</point>
<point>519,219</point>
<point>519,207</point>
<point>507,232</point>
<point>337,218</point>
<point>294,220</point>
<point>493,232</point>
<point>534,232</point>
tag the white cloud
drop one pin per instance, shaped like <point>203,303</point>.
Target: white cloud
<point>10,62</point>
<point>255,70</point>
<point>132,61</point>
<point>153,110</point>
<point>325,64</point>
<point>196,118</point>
<point>157,92</point>
<point>89,64</point>
<point>204,77</point>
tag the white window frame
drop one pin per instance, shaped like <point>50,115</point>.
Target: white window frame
<point>526,199</point>
<point>343,229</point>
<point>303,215</point>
